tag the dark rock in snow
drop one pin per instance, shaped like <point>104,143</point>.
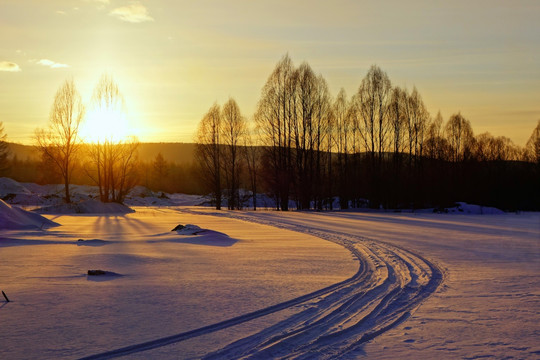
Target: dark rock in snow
<point>178,227</point>
<point>163,196</point>
<point>96,272</point>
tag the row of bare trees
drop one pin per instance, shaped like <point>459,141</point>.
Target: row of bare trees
<point>109,163</point>
<point>380,145</point>
<point>220,148</point>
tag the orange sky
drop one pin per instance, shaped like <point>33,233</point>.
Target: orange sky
<point>173,59</point>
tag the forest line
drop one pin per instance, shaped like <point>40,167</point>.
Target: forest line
<point>378,148</point>
<point>303,147</point>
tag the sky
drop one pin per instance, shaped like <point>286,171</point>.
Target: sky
<point>172,60</point>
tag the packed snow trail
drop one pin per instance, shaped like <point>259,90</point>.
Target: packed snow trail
<point>389,285</point>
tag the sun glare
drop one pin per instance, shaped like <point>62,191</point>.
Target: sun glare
<point>105,124</point>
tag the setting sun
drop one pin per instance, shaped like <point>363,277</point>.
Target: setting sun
<point>105,124</point>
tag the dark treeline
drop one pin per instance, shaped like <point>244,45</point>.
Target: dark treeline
<point>380,148</point>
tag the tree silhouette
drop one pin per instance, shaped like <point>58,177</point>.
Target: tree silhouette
<point>4,150</point>
<point>60,142</point>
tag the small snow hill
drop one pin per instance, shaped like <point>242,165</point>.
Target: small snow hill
<point>86,207</point>
<point>13,218</point>
<point>10,186</point>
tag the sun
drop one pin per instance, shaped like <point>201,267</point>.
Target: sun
<point>105,124</point>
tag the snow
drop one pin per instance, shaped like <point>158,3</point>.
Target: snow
<point>29,194</point>
<point>270,284</point>
<point>86,207</point>
<point>170,283</point>
<point>464,208</point>
<point>13,218</point>
<point>9,186</point>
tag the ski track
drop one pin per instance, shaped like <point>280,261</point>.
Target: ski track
<point>336,321</point>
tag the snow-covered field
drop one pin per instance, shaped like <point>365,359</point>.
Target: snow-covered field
<point>267,284</point>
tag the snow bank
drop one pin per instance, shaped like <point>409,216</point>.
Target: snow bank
<point>464,208</point>
<point>9,186</point>
<point>142,196</point>
<point>86,207</point>
<point>13,218</point>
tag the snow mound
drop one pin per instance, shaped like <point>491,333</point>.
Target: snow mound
<point>13,218</point>
<point>464,208</point>
<point>86,207</point>
<point>140,191</point>
<point>188,229</point>
<point>10,186</point>
<point>141,196</point>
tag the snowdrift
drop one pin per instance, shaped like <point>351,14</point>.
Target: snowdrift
<point>14,192</point>
<point>464,208</point>
<point>9,186</point>
<point>86,207</point>
<point>13,218</point>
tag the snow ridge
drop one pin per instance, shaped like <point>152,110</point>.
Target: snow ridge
<point>388,287</point>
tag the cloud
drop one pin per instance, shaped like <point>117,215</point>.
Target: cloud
<point>9,66</point>
<point>51,64</point>
<point>134,13</point>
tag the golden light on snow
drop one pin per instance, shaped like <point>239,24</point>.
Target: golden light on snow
<point>105,124</point>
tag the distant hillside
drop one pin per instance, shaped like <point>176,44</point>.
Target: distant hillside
<point>23,152</point>
<point>172,152</point>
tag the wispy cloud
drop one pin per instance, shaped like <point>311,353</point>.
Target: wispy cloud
<point>9,66</point>
<point>134,13</point>
<point>51,64</point>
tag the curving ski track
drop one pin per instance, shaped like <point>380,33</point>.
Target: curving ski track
<point>390,284</point>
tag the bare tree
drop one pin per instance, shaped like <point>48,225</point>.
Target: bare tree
<point>398,118</point>
<point>233,130</point>
<point>322,144</point>
<point>373,97</point>
<point>60,142</point>
<point>275,117</point>
<point>112,162</point>
<point>252,156</point>
<point>4,150</point>
<point>417,119</point>
<point>460,137</point>
<point>208,152</point>
<point>436,145</point>
<point>304,133</point>
<point>343,133</point>
<point>532,149</point>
